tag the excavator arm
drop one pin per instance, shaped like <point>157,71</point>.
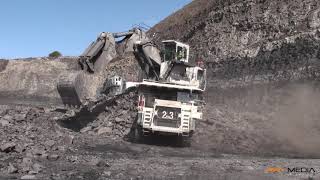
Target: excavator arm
<point>149,59</point>
<point>89,56</point>
<point>75,87</point>
<point>93,58</point>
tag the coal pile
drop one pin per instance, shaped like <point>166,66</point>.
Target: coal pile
<point>117,119</point>
<point>112,119</point>
<point>30,137</point>
<point>34,145</point>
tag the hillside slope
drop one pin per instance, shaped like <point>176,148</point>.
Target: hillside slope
<point>218,30</point>
<point>262,60</point>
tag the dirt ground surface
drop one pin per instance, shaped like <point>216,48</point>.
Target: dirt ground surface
<point>35,145</point>
<point>49,143</point>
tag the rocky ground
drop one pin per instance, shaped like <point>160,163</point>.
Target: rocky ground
<point>50,143</point>
<point>36,145</point>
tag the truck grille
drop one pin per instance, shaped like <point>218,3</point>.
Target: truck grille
<point>167,117</point>
<point>167,123</point>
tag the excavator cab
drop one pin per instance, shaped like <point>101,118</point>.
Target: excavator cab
<point>175,51</point>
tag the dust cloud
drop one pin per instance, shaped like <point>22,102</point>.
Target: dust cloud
<point>297,120</point>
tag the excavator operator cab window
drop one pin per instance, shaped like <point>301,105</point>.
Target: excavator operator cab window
<point>169,52</point>
<point>182,53</point>
<point>174,50</point>
<point>200,75</point>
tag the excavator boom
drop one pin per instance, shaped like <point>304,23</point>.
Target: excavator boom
<point>149,59</point>
<point>75,87</point>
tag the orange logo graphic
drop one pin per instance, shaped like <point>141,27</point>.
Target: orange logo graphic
<point>274,170</point>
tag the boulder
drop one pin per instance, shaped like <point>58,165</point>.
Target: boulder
<point>4,122</point>
<point>12,169</point>
<point>53,157</point>
<point>28,177</point>
<point>8,147</point>
<point>104,130</point>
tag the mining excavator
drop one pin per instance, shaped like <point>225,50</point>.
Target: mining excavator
<point>169,87</point>
<point>78,87</point>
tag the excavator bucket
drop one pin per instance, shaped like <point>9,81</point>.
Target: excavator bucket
<point>98,54</point>
<point>68,89</point>
<point>75,87</point>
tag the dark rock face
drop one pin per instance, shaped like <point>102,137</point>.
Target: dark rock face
<point>262,61</point>
<point>219,30</point>
<point>249,39</point>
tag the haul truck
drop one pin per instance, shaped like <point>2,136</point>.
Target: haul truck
<point>171,102</point>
